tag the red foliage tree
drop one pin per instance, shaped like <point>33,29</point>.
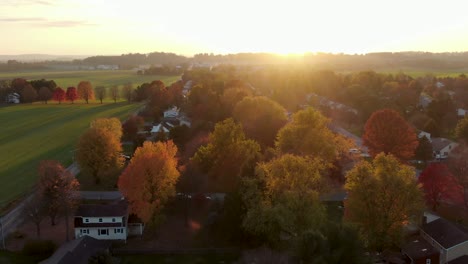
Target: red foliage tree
<point>72,94</point>
<point>458,165</point>
<point>58,95</point>
<point>387,131</point>
<point>439,185</point>
<point>58,188</point>
<point>130,127</point>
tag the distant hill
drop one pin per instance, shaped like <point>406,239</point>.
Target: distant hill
<point>40,57</point>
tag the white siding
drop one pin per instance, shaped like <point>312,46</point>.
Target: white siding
<point>111,233</point>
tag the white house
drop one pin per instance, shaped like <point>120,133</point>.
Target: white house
<point>425,134</point>
<point>450,239</point>
<point>102,221</point>
<point>12,98</point>
<point>462,112</point>
<point>172,112</point>
<point>159,128</point>
<point>442,147</point>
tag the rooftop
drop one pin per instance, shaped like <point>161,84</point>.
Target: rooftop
<point>103,210</point>
<point>445,233</point>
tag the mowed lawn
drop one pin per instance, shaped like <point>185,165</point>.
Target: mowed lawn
<point>66,79</point>
<point>31,133</point>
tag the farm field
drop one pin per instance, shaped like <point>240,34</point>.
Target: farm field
<point>66,79</point>
<point>31,133</point>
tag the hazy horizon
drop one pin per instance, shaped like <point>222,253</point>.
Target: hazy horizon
<point>88,28</point>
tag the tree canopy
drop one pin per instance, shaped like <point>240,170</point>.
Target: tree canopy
<point>462,129</point>
<point>111,125</point>
<point>283,199</point>
<point>261,118</point>
<point>149,180</point>
<point>308,134</point>
<point>383,197</point>
<point>439,185</point>
<point>386,131</point>
<point>85,91</point>
<point>57,188</point>
<point>227,155</point>
<point>99,153</point>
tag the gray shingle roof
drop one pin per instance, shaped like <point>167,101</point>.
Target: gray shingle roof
<point>445,233</point>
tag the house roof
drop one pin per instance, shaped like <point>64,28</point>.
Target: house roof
<point>77,251</point>
<point>447,234</point>
<point>461,260</point>
<point>440,143</point>
<point>103,210</point>
<point>418,248</point>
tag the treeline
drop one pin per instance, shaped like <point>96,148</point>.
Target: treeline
<point>340,62</point>
<point>136,59</point>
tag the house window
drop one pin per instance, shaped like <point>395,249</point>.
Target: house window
<point>113,219</point>
<point>103,232</point>
<point>100,220</point>
<point>86,220</point>
<point>117,230</point>
<point>84,231</point>
<point>428,261</point>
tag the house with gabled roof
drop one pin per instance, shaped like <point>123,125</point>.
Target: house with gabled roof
<point>78,251</point>
<point>442,147</point>
<point>450,239</point>
<point>102,221</point>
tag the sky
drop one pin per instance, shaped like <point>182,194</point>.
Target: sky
<point>187,27</point>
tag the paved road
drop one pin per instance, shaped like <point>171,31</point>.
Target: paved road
<point>357,140</point>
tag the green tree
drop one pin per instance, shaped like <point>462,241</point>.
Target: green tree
<point>101,93</point>
<point>114,92</point>
<point>424,150</point>
<point>128,92</point>
<point>261,118</point>
<point>462,129</point>
<point>308,134</point>
<point>383,197</point>
<point>99,154</point>
<point>335,244</point>
<point>283,199</point>
<point>228,155</point>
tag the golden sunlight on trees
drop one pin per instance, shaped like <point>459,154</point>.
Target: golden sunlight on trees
<point>283,199</point>
<point>261,118</point>
<point>387,131</point>
<point>227,155</point>
<point>99,153</point>
<point>307,134</point>
<point>111,125</point>
<point>85,91</point>
<point>383,197</point>
<point>149,180</point>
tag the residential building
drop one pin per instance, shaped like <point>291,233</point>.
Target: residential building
<point>451,240</point>
<point>102,221</point>
<point>442,147</point>
<point>419,251</point>
<point>12,98</point>
<point>172,112</point>
<point>461,112</point>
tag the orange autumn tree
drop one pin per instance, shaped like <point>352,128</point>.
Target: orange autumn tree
<point>149,180</point>
<point>387,131</point>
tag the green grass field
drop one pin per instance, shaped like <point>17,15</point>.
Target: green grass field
<point>31,133</point>
<point>65,79</point>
